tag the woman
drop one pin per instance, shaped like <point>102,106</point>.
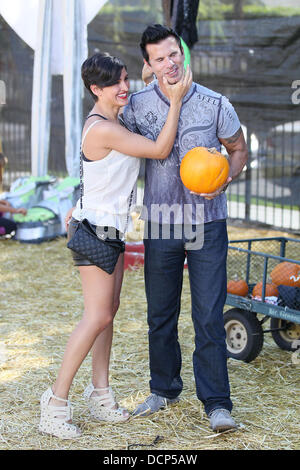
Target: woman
<point>109,177</point>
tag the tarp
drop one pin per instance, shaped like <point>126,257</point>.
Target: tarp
<point>23,17</point>
<point>57,30</point>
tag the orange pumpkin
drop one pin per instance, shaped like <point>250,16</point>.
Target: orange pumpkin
<point>287,274</point>
<point>271,290</point>
<point>204,170</point>
<point>237,287</point>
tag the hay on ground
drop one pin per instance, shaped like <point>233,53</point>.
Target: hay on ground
<point>41,302</point>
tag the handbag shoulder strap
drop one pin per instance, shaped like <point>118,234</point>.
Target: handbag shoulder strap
<point>81,164</point>
<point>128,213</point>
<point>81,173</point>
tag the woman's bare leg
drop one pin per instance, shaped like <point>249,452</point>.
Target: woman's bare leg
<point>102,345</point>
<point>98,292</point>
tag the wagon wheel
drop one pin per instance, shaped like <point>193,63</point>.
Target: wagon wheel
<point>244,334</point>
<point>288,338</point>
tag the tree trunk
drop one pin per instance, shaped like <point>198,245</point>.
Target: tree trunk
<point>167,6</point>
<point>238,9</point>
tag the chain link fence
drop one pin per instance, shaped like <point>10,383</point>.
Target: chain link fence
<point>250,59</point>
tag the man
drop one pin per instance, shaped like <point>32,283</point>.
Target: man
<point>207,119</point>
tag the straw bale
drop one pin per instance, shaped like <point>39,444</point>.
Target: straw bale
<point>41,303</point>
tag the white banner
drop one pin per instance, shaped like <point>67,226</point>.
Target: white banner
<point>23,16</point>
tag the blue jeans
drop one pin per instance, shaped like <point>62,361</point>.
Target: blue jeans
<point>164,264</point>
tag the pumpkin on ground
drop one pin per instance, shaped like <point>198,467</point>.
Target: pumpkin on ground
<point>286,274</point>
<point>204,170</point>
<point>271,290</point>
<point>237,287</point>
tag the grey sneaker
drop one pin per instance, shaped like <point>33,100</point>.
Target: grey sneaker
<point>221,420</point>
<point>152,404</point>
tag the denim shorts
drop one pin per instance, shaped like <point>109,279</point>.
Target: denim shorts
<point>77,258</point>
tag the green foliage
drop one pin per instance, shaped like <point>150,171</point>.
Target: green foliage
<point>120,11</point>
<point>225,9</point>
<point>262,10</point>
<point>212,10</point>
<point>216,11</point>
<point>128,6</point>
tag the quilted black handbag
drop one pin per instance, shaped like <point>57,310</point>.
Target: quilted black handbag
<point>104,253</point>
<point>96,247</point>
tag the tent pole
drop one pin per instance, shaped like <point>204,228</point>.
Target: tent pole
<point>40,117</point>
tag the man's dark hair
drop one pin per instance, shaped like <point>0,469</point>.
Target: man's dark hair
<point>102,70</point>
<point>153,34</point>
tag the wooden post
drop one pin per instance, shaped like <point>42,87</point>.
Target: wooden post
<point>166,5</point>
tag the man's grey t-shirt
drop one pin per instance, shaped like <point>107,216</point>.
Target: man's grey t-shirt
<point>205,116</point>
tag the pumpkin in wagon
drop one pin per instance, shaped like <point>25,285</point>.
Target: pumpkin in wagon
<point>270,291</point>
<point>286,274</point>
<point>204,170</point>
<point>237,286</point>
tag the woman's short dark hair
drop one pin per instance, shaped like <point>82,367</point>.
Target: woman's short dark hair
<point>153,34</point>
<point>102,70</point>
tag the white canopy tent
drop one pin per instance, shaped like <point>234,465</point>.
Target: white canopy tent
<point>57,31</point>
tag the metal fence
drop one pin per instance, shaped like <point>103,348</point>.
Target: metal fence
<point>268,190</point>
<point>15,124</point>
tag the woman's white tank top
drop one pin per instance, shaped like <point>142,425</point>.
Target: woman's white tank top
<point>107,187</point>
